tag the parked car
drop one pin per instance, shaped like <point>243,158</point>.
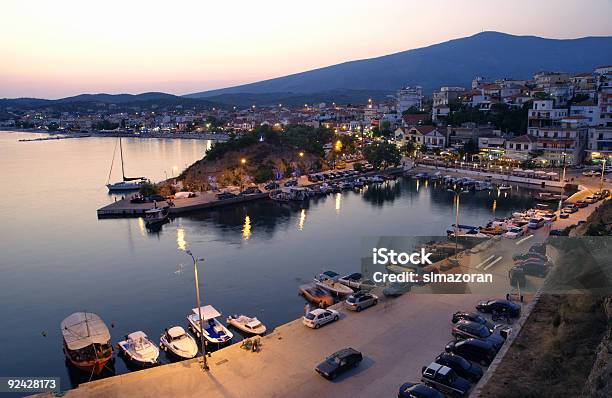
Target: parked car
<point>564,214</point>
<point>272,185</point>
<point>591,199</point>
<point>360,300</point>
<point>396,289</point>
<point>581,203</point>
<point>539,248</point>
<point>514,232</point>
<point>534,267</point>
<point>445,380</point>
<point>500,306</point>
<point>250,191</point>
<point>464,368</point>
<point>557,232</point>
<point>339,362</point>
<point>535,223</point>
<point>467,329</point>
<point>550,217</point>
<point>473,317</point>
<point>570,208</point>
<point>589,173</point>
<point>226,195</point>
<point>418,390</point>
<point>319,317</point>
<point>474,350</point>
<point>291,183</point>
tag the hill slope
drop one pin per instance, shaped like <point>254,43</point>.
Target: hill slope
<point>454,62</point>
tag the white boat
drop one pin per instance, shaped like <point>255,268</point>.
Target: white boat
<point>214,331</point>
<point>356,281</point>
<point>247,324</point>
<point>329,281</point>
<point>325,188</point>
<point>376,179</point>
<point>156,216</point>
<point>504,187</point>
<point>127,183</point>
<point>139,349</point>
<point>179,343</point>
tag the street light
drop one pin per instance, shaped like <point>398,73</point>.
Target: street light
<point>301,154</point>
<point>603,171</point>
<point>197,287</point>
<point>243,161</point>
<point>456,191</point>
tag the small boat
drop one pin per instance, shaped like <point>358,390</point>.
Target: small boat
<point>156,216</point>
<point>180,344</point>
<point>376,179</point>
<point>139,349</point>
<point>332,285</point>
<point>359,183</point>
<point>86,341</point>
<point>247,324</point>
<point>316,295</point>
<point>214,331</point>
<point>325,188</point>
<point>504,187</point>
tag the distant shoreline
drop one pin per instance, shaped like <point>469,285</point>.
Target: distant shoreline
<point>114,134</point>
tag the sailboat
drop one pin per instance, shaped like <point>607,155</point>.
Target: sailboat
<point>128,183</point>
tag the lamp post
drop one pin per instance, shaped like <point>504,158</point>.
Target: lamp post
<point>603,171</point>
<point>197,287</point>
<point>563,178</point>
<point>456,191</point>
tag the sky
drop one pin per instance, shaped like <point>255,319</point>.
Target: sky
<point>59,48</point>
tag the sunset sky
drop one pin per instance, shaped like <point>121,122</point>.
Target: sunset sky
<point>53,49</point>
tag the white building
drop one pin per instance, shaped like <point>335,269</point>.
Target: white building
<point>587,109</point>
<point>599,144</point>
<point>408,97</point>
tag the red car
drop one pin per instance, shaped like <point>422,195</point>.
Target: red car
<point>581,204</point>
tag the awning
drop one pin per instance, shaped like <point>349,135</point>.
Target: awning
<point>83,329</point>
<point>552,173</point>
<point>539,172</point>
<point>208,312</point>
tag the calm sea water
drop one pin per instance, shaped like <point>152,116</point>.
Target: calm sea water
<point>58,258</point>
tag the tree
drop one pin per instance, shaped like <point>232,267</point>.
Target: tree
<point>470,147</point>
<point>382,155</point>
<point>408,148</point>
<point>148,189</point>
<point>385,128</point>
<point>413,110</point>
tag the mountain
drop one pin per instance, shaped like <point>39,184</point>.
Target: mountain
<point>298,99</point>
<point>455,62</point>
<point>118,98</point>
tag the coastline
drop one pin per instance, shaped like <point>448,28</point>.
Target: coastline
<point>123,134</point>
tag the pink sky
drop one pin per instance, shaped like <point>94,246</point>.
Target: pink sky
<point>67,47</point>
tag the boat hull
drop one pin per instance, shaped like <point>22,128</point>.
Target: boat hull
<point>90,366</point>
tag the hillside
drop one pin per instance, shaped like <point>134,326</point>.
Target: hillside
<point>455,62</point>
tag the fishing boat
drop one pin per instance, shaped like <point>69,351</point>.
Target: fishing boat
<point>332,285</point>
<point>316,295</point>
<point>86,341</point>
<point>214,331</point>
<point>280,195</point>
<point>178,343</point>
<point>156,216</point>
<point>247,324</point>
<point>139,349</point>
<point>128,183</point>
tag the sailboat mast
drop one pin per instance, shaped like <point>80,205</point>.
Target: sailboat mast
<point>121,151</point>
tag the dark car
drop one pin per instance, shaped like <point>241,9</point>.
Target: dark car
<point>528,256</point>
<point>472,316</point>
<point>464,368</point>
<point>338,362</point>
<point>312,178</point>
<point>445,380</point>
<point>581,203</point>
<point>474,350</point>
<point>501,307</point>
<point>272,185</point>
<point>418,390</point>
<point>155,198</point>
<point>538,248</point>
<point>467,329</point>
<point>250,191</point>
<point>291,183</point>
<point>226,195</point>
<point>557,232</point>
<point>534,267</point>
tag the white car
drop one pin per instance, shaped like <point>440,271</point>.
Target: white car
<point>550,217</point>
<point>316,318</point>
<point>589,173</point>
<point>590,199</point>
<point>514,232</point>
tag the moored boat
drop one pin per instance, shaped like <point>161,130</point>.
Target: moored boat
<point>178,343</point>
<point>86,341</point>
<point>127,183</point>
<point>156,216</point>
<point>247,324</point>
<point>332,285</point>
<point>214,331</point>
<point>316,295</point>
<point>139,349</point>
